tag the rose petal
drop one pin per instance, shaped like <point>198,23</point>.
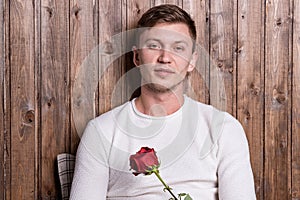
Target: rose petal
<point>143,160</point>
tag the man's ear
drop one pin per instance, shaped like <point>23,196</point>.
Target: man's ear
<point>136,59</point>
<point>193,61</point>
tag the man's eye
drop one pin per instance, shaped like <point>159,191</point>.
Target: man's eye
<point>179,48</point>
<point>153,46</point>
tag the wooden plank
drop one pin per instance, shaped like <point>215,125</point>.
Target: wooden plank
<point>199,11</point>
<point>22,100</point>
<point>277,99</point>
<point>296,104</point>
<point>176,2</point>
<point>126,60</point>
<point>134,10</point>
<point>233,99</point>
<point>222,43</point>
<point>55,91</point>
<point>38,78</point>
<point>250,82</point>
<point>83,40</point>
<point>2,88</point>
<point>6,105</point>
<point>109,11</point>
<point>130,11</point>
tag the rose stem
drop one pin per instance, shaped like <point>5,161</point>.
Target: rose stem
<point>166,186</point>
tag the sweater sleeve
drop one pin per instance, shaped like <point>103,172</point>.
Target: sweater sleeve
<point>234,171</point>
<point>91,172</point>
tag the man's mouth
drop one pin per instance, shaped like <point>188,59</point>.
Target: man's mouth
<point>163,72</point>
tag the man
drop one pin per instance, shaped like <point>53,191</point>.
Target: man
<point>202,151</point>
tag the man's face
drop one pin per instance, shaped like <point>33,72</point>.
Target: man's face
<point>165,55</point>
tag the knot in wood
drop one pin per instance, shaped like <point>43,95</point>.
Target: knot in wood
<point>50,11</point>
<point>254,90</point>
<point>247,114</point>
<point>239,50</point>
<point>108,48</point>
<point>279,96</point>
<point>138,10</point>
<point>279,22</point>
<point>230,70</point>
<point>29,116</point>
<point>220,65</point>
<point>50,101</point>
<point>76,11</point>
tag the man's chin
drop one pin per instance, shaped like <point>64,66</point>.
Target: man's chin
<point>158,88</point>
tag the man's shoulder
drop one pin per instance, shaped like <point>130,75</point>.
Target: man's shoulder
<point>204,110</point>
<point>211,111</point>
<point>112,114</point>
<point>218,128</point>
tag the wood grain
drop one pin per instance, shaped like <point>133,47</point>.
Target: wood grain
<point>2,88</point>
<point>108,74</point>
<point>254,45</point>
<point>222,34</point>
<point>84,32</point>
<point>277,99</point>
<point>22,99</point>
<point>6,104</point>
<point>296,104</point>
<point>199,11</point>
<point>55,91</point>
<point>250,83</point>
<point>134,10</point>
<point>38,81</point>
<point>176,2</point>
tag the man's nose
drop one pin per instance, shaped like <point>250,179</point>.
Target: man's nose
<point>165,56</point>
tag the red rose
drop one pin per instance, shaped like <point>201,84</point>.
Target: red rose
<point>143,161</point>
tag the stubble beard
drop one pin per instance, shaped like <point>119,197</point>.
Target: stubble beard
<point>160,89</point>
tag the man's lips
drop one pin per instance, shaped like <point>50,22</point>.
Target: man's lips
<point>163,72</point>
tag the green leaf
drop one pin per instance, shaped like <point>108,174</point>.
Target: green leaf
<point>182,194</point>
<point>188,197</point>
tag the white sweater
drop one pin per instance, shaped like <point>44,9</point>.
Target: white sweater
<point>203,152</point>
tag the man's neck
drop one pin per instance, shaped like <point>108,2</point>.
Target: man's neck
<point>159,104</point>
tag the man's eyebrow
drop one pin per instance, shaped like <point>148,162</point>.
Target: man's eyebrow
<point>153,39</point>
<point>181,41</point>
<point>158,40</point>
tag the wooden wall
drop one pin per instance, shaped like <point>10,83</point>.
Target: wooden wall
<point>255,45</point>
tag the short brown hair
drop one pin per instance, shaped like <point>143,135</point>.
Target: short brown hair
<point>167,13</point>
